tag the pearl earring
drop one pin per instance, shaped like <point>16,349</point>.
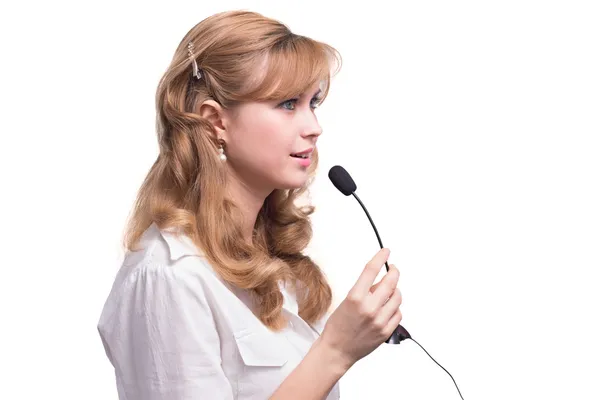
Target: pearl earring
<point>222,155</point>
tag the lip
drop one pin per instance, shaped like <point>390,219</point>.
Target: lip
<point>307,151</point>
<point>304,162</point>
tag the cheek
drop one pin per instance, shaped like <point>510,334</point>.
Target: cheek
<point>263,140</point>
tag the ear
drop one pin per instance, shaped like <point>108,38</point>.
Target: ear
<point>214,113</point>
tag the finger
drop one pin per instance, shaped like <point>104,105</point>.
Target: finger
<point>393,303</point>
<point>375,286</point>
<point>387,286</point>
<point>370,272</point>
<point>393,322</point>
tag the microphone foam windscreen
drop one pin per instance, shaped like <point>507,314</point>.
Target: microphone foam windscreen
<point>342,180</point>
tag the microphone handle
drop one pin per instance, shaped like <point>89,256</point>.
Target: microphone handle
<point>400,333</point>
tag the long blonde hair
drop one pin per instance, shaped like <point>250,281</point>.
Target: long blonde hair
<point>243,56</point>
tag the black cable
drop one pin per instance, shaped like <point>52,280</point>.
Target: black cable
<point>440,367</point>
<point>388,268</point>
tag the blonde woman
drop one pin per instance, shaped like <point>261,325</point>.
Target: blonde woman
<point>215,298</point>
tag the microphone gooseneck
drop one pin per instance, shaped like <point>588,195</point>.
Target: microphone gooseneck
<point>342,180</point>
<point>400,333</point>
<point>387,267</point>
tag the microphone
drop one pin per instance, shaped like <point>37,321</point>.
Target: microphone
<point>342,180</point>
<point>344,183</point>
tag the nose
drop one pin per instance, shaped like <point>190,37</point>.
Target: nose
<point>312,128</point>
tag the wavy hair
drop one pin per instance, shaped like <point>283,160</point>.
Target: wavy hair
<point>243,56</point>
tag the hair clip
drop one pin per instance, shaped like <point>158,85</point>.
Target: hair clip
<point>196,71</point>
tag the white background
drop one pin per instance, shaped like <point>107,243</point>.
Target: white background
<point>471,128</point>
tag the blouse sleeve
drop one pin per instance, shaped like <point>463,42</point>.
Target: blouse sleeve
<point>162,340</point>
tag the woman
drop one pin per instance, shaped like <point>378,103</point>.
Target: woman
<point>215,298</point>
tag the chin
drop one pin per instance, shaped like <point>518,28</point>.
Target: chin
<point>293,183</point>
<point>291,179</point>
<point>291,186</point>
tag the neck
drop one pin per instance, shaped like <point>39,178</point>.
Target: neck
<point>249,200</point>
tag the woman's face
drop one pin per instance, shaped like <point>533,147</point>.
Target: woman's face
<point>269,144</point>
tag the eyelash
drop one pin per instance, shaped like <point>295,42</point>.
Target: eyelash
<point>315,101</point>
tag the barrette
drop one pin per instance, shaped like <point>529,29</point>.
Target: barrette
<point>196,72</point>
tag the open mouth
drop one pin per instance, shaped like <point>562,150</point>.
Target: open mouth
<point>299,155</point>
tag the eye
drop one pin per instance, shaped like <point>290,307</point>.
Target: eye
<point>315,102</point>
<point>289,104</point>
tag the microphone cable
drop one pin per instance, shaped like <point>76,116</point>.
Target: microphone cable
<point>460,394</point>
<point>342,180</point>
<point>388,268</point>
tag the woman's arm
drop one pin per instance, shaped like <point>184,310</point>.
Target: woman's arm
<point>315,376</point>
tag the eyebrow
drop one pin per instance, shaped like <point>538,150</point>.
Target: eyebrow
<point>318,92</point>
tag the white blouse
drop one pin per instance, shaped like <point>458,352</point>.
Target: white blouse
<point>174,330</point>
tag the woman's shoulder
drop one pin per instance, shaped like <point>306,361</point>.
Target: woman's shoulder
<point>164,249</point>
<point>164,261</point>
<point>161,246</point>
